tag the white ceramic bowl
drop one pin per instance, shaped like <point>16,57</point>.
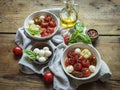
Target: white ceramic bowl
<point>92,50</point>
<point>41,13</point>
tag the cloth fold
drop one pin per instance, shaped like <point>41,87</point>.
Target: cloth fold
<point>61,80</point>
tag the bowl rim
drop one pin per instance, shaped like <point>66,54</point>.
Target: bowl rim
<point>40,38</point>
<point>83,78</point>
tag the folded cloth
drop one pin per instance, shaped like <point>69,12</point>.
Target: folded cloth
<point>61,80</point>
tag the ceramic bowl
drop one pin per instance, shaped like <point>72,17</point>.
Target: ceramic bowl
<point>37,14</point>
<point>81,45</point>
<point>40,45</point>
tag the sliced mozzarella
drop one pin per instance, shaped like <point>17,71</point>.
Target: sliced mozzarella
<point>86,53</point>
<point>69,68</point>
<point>31,22</point>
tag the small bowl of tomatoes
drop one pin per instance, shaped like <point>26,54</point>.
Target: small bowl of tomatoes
<point>41,25</point>
<point>81,61</point>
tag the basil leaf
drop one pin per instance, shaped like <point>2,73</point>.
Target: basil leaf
<point>79,26</point>
<point>34,32</point>
<point>79,37</point>
<point>30,54</point>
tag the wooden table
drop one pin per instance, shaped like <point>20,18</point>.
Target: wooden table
<point>102,15</point>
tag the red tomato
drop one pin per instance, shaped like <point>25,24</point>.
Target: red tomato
<point>17,51</point>
<point>50,30</point>
<point>81,58</point>
<point>86,72</point>
<point>48,18</point>
<point>69,61</point>
<point>66,39</point>
<point>86,63</point>
<point>44,33</point>
<point>48,77</point>
<point>44,24</point>
<point>52,23</point>
<point>78,66</point>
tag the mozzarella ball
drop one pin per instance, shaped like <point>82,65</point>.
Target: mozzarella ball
<point>77,50</point>
<point>47,53</point>
<point>36,50</point>
<point>41,52</point>
<point>42,18</point>
<point>92,68</point>
<point>69,68</point>
<point>45,48</point>
<point>37,57</point>
<point>42,59</point>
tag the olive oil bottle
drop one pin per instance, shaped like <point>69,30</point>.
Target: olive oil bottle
<point>68,15</point>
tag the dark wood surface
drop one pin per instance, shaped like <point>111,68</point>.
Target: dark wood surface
<point>103,15</point>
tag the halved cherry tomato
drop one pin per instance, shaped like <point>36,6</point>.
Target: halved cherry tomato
<point>44,24</point>
<point>86,72</point>
<point>52,23</point>
<point>44,33</point>
<point>78,66</point>
<point>48,18</point>
<point>66,39</point>
<point>86,63</point>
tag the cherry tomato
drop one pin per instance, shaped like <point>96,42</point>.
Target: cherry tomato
<point>48,77</point>
<point>78,66</point>
<point>70,61</point>
<point>81,58</point>
<point>44,33</point>
<point>48,18</point>
<point>86,63</point>
<point>52,23</point>
<point>17,51</point>
<point>66,39</point>
<point>50,30</point>
<point>44,24</point>
<point>86,72</point>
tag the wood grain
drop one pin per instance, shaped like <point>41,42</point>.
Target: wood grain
<point>12,78</point>
<point>102,15</point>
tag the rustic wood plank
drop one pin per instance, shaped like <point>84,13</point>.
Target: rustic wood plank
<point>12,79</point>
<point>103,15</point>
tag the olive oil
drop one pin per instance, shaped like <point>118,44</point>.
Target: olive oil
<point>68,15</point>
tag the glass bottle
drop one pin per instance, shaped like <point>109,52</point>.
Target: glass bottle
<point>68,15</point>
